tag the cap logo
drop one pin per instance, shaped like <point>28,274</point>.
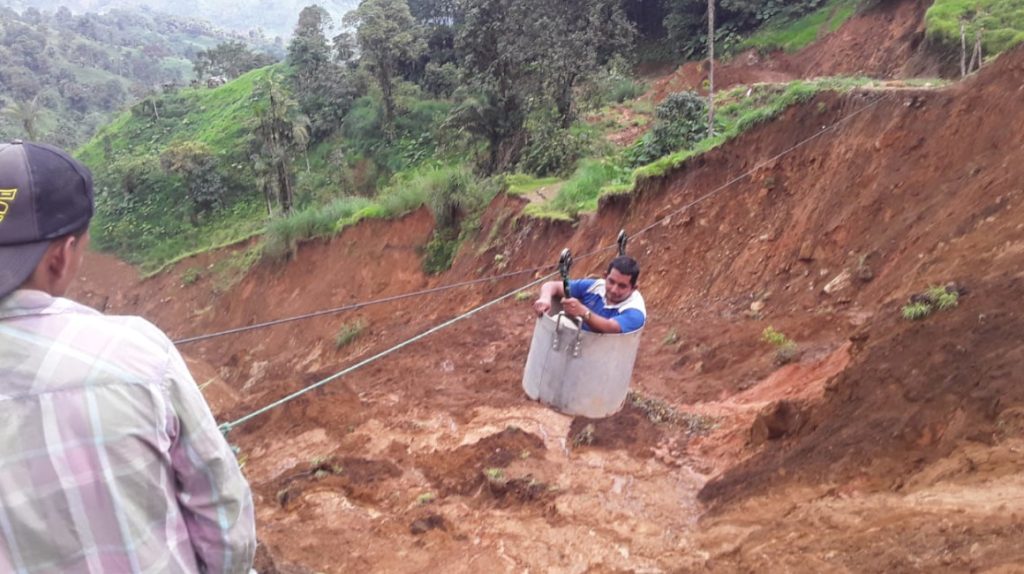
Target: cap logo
<point>6,197</point>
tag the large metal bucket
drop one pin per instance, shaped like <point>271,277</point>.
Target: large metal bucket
<point>578,372</point>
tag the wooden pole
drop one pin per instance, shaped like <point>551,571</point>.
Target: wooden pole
<point>711,68</point>
<point>963,48</point>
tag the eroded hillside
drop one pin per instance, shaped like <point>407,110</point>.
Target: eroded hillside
<point>885,445</point>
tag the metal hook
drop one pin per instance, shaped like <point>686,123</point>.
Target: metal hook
<point>564,264</point>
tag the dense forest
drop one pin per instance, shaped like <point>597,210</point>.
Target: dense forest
<point>63,75</point>
<point>273,17</point>
<point>436,102</point>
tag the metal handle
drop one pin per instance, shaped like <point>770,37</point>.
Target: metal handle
<point>577,347</point>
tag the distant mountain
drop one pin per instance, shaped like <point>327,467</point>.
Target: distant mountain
<point>274,17</point>
<point>62,75</point>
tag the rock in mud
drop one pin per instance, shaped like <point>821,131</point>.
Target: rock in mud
<point>838,283</point>
<point>778,420</point>
<point>426,523</point>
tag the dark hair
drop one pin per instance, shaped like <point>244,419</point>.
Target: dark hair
<point>627,266</point>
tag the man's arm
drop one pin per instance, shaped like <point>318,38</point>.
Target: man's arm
<point>597,323</point>
<point>213,495</point>
<point>548,291</point>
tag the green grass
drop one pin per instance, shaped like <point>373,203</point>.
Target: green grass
<point>736,113</point>
<point>797,34</point>
<point>580,193</point>
<point>153,225</point>
<point>348,333</point>
<point>283,234</point>
<point>523,183</point>
<point>1002,22</point>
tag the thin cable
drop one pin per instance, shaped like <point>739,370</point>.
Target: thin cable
<point>228,426</point>
<point>442,288</point>
<point>353,306</point>
<point>761,164</point>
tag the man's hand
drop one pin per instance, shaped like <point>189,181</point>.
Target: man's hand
<point>542,306</point>
<point>574,307</point>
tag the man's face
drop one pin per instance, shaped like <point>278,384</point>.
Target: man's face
<point>617,287</point>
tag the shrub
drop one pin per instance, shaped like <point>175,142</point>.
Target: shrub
<point>551,149</point>
<point>785,348</point>
<point>348,333</point>
<point>916,311</point>
<point>191,275</point>
<point>679,121</point>
<point>935,298</point>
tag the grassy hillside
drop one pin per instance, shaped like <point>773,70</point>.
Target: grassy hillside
<point>1001,22</point>
<point>143,213</point>
<point>796,34</point>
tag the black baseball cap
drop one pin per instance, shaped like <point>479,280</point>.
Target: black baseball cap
<point>45,194</point>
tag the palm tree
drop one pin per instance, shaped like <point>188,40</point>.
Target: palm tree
<point>27,114</point>
<point>279,131</point>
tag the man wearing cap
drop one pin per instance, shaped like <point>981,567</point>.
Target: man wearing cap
<point>609,305</point>
<point>110,460</point>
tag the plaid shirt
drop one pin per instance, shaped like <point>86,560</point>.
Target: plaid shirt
<point>110,460</point>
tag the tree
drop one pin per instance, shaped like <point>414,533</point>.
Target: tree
<point>528,55</point>
<point>493,105</point>
<point>569,41</point>
<point>387,37</point>
<point>228,59</point>
<point>308,52</point>
<point>27,113</point>
<point>279,131</point>
<point>197,165</point>
<point>322,78</point>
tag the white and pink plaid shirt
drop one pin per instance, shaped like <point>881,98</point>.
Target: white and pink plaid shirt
<point>110,460</point>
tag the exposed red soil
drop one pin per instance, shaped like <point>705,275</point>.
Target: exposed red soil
<point>887,446</point>
<point>886,41</point>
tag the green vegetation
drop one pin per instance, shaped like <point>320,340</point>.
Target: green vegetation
<point>916,311</point>
<point>230,270</point>
<point>1001,23</point>
<point>283,234</point>
<point>792,35</point>
<point>348,333</point>
<point>785,348</point>
<point>63,75</point>
<point>524,296</point>
<point>935,298</point>
<point>407,110</point>
<point>522,183</point>
<point>190,276</point>
<point>582,190</point>
<point>740,109</point>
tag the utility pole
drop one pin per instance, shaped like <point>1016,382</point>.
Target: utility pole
<point>963,49</point>
<point>711,68</point>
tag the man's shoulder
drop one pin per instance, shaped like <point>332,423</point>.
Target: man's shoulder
<point>635,302</point>
<point>117,325</point>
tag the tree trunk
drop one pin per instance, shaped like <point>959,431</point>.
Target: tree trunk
<point>387,94</point>
<point>284,187</point>
<point>711,68</point>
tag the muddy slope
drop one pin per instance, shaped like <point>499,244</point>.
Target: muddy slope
<point>891,443</point>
